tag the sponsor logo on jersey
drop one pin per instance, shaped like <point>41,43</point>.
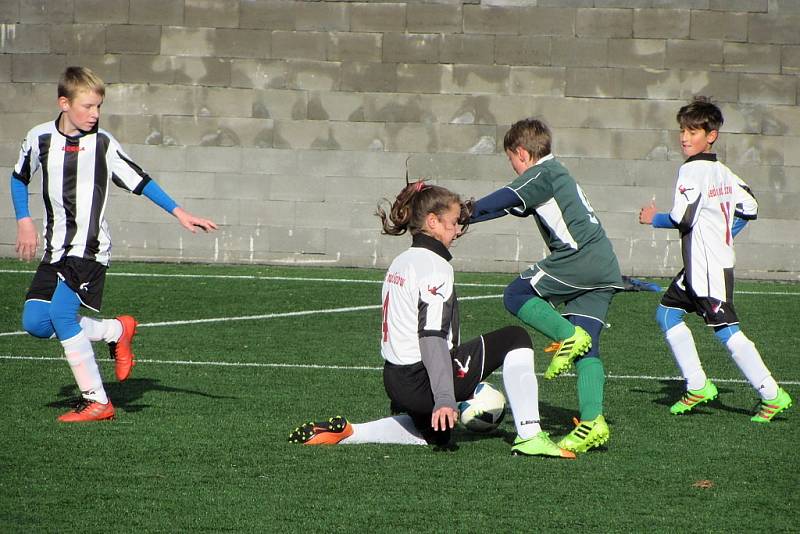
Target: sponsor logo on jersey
<point>394,278</point>
<point>720,190</point>
<point>434,290</point>
<point>73,148</point>
<point>682,190</point>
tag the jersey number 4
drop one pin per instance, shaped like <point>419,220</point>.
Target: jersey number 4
<point>385,322</point>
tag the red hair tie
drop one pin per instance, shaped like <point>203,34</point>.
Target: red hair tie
<point>419,186</point>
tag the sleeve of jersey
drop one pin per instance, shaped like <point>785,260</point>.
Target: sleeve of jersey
<point>685,207</point>
<point>28,160</point>
<point>532,191</point>
<point>124,172</point>
<point>435,305</point>
<point>495,205</point>
<point>746,203</point>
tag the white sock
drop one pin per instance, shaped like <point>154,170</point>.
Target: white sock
<point>749,361</point>
<point>80,356</point>
<point>108,330</point>
<point>522,390</point>
<point>680,340</point>
<point>397,429</point>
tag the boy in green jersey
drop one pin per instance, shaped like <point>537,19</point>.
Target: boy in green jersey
<point>581,273</point>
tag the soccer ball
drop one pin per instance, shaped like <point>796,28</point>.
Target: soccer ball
<point>484,411</point>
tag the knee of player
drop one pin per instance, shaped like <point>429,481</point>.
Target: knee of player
<point>668,317</point>
<point>725,333</point>
<point>518,338</point>
<point>36,319</point>
<point>513,299</point>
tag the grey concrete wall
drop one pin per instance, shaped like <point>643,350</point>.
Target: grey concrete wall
<point>286,121</point>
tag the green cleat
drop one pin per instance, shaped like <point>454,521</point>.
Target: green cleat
<point>586,435</point>
<point>539,445</point>
<point>577,345</point>
<point>693,397</point>
<point>770,408</point>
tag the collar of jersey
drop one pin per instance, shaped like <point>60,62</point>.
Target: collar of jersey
<point>703,156</point>
<point>432,244</point>
<point>81,133</point>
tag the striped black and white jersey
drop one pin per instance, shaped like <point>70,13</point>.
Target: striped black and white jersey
<point>707,197</point>
<point>418,300</point>
<point>75,176</point>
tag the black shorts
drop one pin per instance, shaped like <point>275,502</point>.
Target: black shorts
<point>409,387</point>
<point>85,277</point>
<point>714,312</point>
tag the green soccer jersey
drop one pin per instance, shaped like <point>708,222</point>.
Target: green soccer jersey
<point>580,252</point>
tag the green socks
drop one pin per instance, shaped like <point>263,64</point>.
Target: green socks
<point>591,380</point>
<point>539,314</point>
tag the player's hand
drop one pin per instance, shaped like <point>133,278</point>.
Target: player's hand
<point>444,418</point>
<point>192,222</point>
<point>647,213</point>
<point>27,239</point>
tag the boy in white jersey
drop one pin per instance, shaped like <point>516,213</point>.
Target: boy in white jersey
<point>711,205</point>
<point>426,371</point>
<point>78,161</point>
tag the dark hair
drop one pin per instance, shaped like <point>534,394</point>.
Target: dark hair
<point>414,203</point>
<point>699,114</point>
<point>531,134</point>
<point>77,79</point>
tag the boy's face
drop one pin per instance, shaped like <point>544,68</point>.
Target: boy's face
<point>520,159</point>
<point>697,141</point>
<point>80,113</point>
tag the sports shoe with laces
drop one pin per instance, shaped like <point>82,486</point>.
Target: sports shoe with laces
<point>328,432</point>
<point>539,445</point>
<point>770,408</point>
<point>121,351</point>
<point>576,345</point>
<point>88,410</point>
<point>586,435</point>
<point>693,397</point>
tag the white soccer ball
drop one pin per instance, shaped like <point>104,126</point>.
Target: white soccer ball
<point>484,411</point>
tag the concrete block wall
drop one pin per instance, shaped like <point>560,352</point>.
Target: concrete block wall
<point>286,121</point>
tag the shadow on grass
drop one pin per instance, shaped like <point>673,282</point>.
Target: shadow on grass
<point>671,391</point>
<point>126,395</point>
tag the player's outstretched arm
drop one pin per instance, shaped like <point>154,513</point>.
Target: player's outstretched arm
<point>192,222</point>
<point>27,239</point>
<point>647,213</point>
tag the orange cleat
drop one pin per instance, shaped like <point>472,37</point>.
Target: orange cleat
<point>88,410</point>
<point>121,351</point>
<point>328,432</point>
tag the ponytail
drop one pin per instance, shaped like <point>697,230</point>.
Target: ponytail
<point>408,211</point>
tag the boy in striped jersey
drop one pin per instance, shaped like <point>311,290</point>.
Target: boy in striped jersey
<point>78,161</point>
<point>711,205</point>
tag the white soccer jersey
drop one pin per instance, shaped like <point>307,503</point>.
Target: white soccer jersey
<point>76,172</point>
<point>418,300</point>
<point>707,195</point>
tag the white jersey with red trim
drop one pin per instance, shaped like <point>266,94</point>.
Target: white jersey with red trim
<point>707,195</point>
<point>418,300</point>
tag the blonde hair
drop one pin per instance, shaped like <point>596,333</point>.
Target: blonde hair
<point>77,79</point>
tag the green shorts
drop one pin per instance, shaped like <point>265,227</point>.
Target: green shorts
<point>588,302</point>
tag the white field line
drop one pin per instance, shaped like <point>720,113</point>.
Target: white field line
<point>335,280</point>
<point>358,368</point>
<point>266,316</point>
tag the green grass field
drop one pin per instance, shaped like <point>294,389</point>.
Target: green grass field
<point>228,366</point>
